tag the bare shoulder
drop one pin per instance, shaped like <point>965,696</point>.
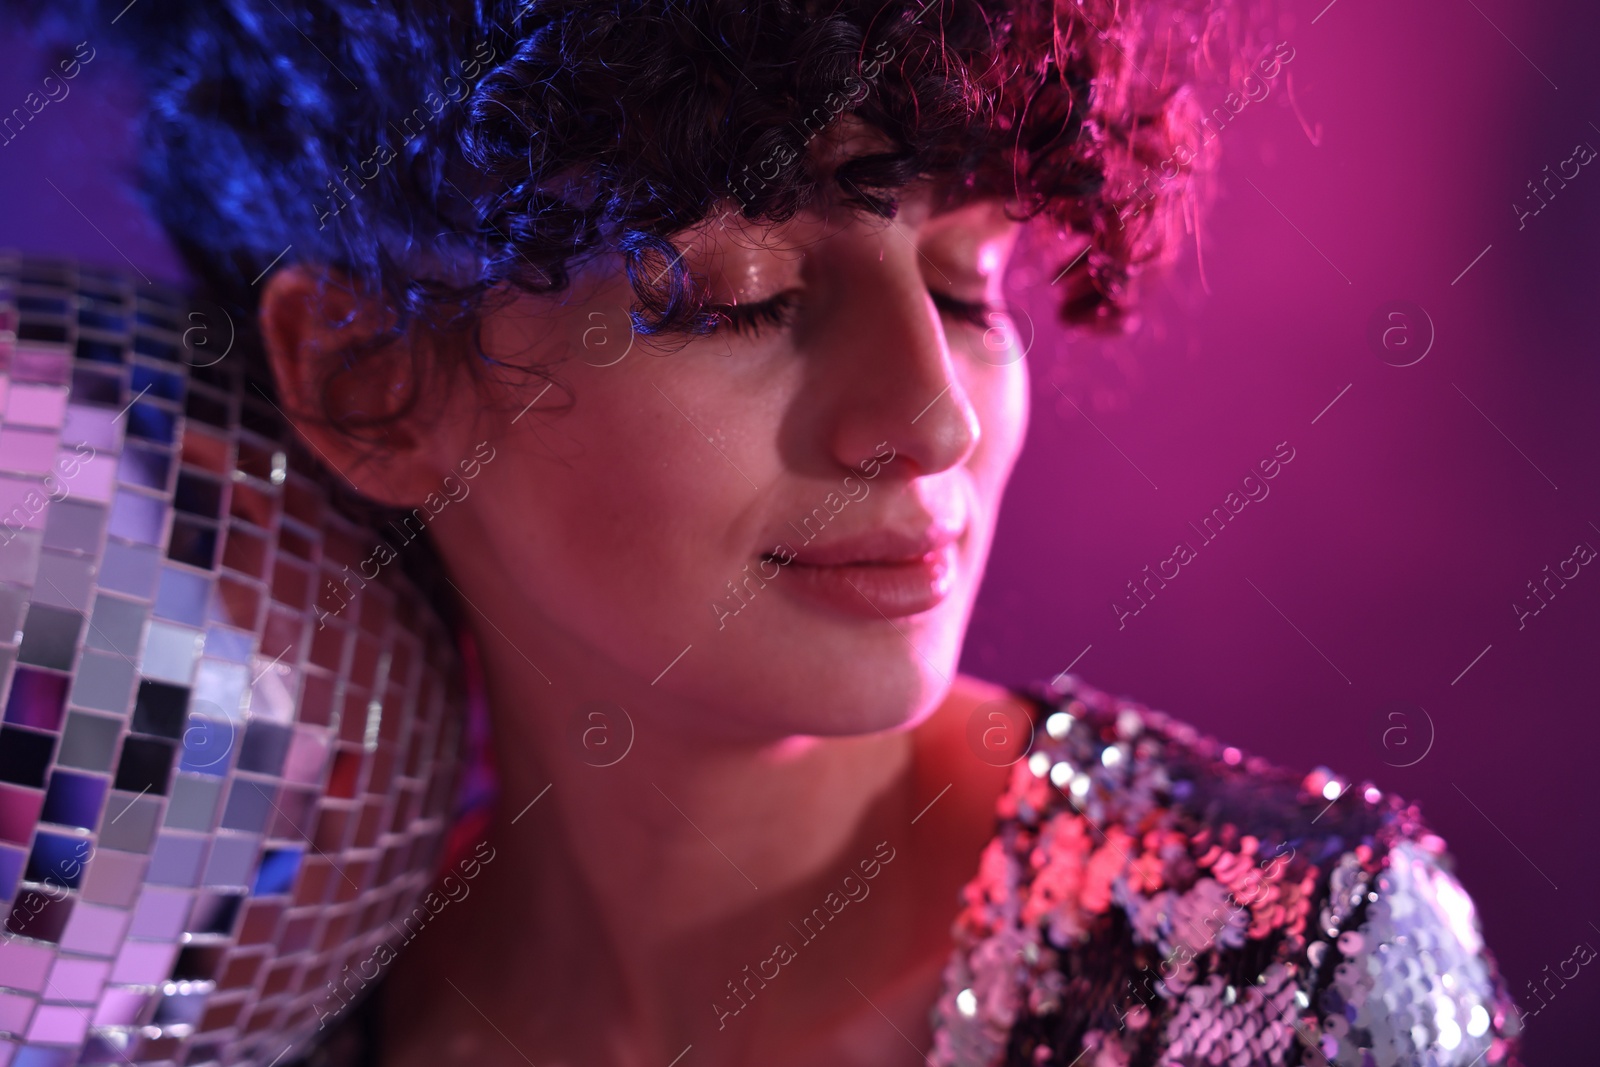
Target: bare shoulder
<point>978,723</point>
<point>965,753</point>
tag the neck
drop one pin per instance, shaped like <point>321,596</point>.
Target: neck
<point>651,870</point>
<point>713,825</point>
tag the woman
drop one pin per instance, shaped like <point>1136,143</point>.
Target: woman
<point>677,331</point>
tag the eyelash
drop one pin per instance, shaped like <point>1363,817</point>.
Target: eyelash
<point>778,311</point>
<point>753,319</point>
<point>967,312</point>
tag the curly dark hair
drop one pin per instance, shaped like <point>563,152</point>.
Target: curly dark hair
<point>444,152</point>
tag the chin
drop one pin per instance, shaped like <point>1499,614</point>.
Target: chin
<point>862,681</point>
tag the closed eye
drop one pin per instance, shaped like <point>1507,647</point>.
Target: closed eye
<point>777,312</point>
<point>969,312</point>
<point>751,319</point>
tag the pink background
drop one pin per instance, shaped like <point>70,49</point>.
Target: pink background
<point>1379,574</point>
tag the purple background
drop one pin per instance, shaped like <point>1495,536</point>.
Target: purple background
<point>1390,550</point>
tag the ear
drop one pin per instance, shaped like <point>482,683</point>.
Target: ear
<point>338,400</point>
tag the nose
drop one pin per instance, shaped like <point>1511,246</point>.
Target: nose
<point>892,376</point>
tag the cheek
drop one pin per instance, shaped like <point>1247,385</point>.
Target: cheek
<point>629,496</point>
<point>1000,397</point>
<point>619,517</point>
<point>1002,403</point>
<point>602,498</point>
<point>997,386</point>
<point>1011,411</point>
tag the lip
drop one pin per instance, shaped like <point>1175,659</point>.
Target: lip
<point>881,546</point>
<point>880,574</point>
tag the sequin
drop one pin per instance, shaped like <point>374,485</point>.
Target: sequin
<point>1210,909</point>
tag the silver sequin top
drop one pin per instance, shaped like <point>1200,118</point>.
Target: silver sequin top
<point>1152,897</point>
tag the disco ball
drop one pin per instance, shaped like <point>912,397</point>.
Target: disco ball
<point>226,759</point>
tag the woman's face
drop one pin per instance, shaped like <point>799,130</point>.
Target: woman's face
<point>782,525</point>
